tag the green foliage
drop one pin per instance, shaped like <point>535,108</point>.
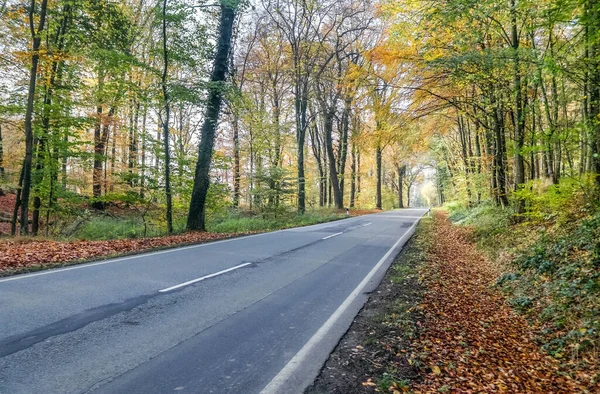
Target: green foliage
<point>488,219</point>
<point>105,228</point>
<point>560,275</point>
<point>244,221</point>
<point>564,201</point>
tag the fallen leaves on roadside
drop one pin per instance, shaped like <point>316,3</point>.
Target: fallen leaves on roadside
<point>470,337</point>
<point>25,253</point>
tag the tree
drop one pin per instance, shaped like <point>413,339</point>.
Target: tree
<point>196,215</point>
<point>165,120</point>
<point>25,182</point>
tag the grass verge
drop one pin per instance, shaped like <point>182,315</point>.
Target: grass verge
<point>374,354</point>
<point>22,255</point>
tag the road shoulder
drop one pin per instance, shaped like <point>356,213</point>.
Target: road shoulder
<point>374,353</point>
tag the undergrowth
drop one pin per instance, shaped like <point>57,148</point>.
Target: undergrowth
<point>550,256</point>
<point>107,227</point>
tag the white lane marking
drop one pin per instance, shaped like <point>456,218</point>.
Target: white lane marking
<point>137,256</point>
<point>368,224</point>
<point>174,249</point>
<point>190,282</point>
<point>332,235</point>
<point>276,385</point>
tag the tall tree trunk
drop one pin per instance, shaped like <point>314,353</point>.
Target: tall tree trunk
<point>333,176</point>
<point>196,216</point>
<point>462,133</point>
<point>1,154</point>
<point>378,204</point>
<point>143,158</point>
<point>593,43</point>
<point>301,104</point>
<point>236,159</point>
<point>353,175</point>
<point>343,151</point>
<point>28,159</point>
<point>501,155</point>
<point>165,123</point>
<point>401,170</point>
<point>358,173</point>
<point>519,113</point>
<point>36,180</point>
<point>275,152</point>
<point>313,133</point>
<point>133,143</point>
<point>100,140</point>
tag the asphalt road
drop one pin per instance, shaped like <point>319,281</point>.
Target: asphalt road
<point>258,314</point>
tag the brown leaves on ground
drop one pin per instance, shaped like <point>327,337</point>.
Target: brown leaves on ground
<point>472,341</point>
<point>360,212</point>
<point>26,253</point>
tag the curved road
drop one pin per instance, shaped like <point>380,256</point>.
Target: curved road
<point>257,314</point>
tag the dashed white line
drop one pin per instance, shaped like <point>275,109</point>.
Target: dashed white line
<point>278,383</point>
<point>190,282</point>
<point>332,235</point>
<point>368,224</point>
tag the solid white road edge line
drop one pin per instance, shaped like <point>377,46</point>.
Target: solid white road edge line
<point>332,235</point>
<point>190,282</point>
<point>276,386</point>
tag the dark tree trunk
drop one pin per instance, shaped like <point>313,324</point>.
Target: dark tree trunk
<point>301,105</point>
<point>133,144</point>
<point>37,179</point>
<point>275,151</point>
<point>401,171</point>
<point>358,173</point>
<point>43,149</point>
<point>462,133</point>
<point>317,152</point>
<point>13,223</point>
<point>353,176</point>
<point>1,154</point>
<point>143,158</point>
<point>379,180</point>
<point>519,113</point>
<point>500,156</point>
<point>592,9</point>
<point>196,216</point>
<point>100,141</point>
<point>23,201</point>
<point>165,123</point>
<point>333,176</point>
<point>236,160</point>
<point>344,146</point>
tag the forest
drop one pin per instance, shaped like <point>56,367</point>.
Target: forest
<point>136,120</point>
<point>187,109</point>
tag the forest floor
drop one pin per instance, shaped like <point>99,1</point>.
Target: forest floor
<point>438,324</point>
<point>28,254</point>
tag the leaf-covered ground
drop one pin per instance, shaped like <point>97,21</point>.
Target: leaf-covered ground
<point>19,255</point>
<point>472,341</point>
<point>27,254</point>
<point>458,334</point>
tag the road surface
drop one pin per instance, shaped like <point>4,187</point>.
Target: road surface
<point>257,314</point>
